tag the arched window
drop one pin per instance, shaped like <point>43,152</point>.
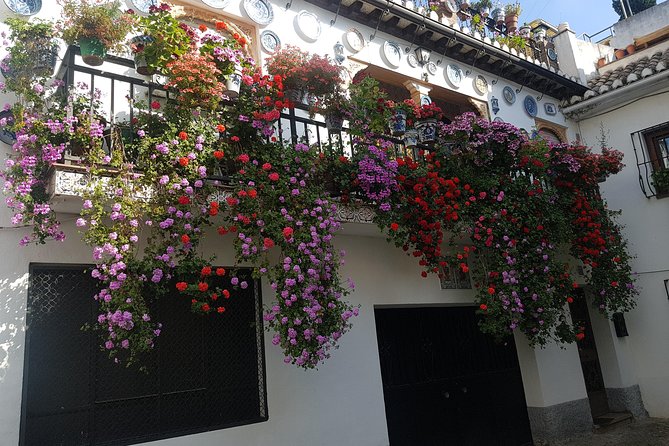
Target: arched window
<point>549,136</point>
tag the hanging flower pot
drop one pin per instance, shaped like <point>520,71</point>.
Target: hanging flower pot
<point>334,121</point>
<point>137,46</point>
<point>498,15</point>
<point>398,123</point>
<point>427,130</point>
<point>511,22</point>
<point>46,58</point>
<point>233,83</point>
<point>524,31</point>
<point>93,51</point>
<point>410,138</point>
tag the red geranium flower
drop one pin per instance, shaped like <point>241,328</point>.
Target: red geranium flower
<point>483,307</point>
<point>185,239</point>
<point>220,271</point>
<point>184,200</point>
<point>155,105</point>
<point>183,161</point>
<point>203,286</point>
<point>220,309</point>
<point>220,128</point>
<point>181,286</point>
<point>206,308</point>
<point>206,271</point>
<point>226,294</point>
<point>266,166</point>
<point>274,176</point>
<point>394,226</point>
<point>268,243</point>
<point>183,136</point>
<point>244,158</point>
<point>218,154</point>
<point>287,232</point>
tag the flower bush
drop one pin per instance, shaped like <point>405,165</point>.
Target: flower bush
<point>94,19</point>
<point>197,170</point>
<point>517,203</point>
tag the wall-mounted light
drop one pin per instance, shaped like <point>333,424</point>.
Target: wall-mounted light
<point>423,55</point>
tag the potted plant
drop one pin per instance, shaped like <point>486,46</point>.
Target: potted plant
<point>483,7</point>
<point>368,106</point>
<point>31,56</point>
<point>525,31</point>
<point>323,77</point>
<point>289,63</point>
<point>403,116</point>
<point>498,16</point>
<point>619,53</point>
<point>161,39</point>
<point>427,116</point>
<point>661,181</point>
<point>96,27</point>
<point>511,13</point>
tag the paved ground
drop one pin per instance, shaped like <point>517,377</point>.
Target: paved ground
<point>648,432</point>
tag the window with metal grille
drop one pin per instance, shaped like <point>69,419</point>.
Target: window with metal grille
<point>651,148</point>
<point>205,373</point>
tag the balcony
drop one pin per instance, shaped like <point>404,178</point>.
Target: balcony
<point>454,37</point>
<point>121,88</point>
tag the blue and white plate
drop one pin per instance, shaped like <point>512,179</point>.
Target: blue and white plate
<point>530,104</point>
<point>509,95</point>
<point>24,7</point>
<point>270,42</point>
<point>260,11</point>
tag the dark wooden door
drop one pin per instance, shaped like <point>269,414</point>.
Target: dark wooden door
<point>445,383</point>
<point>587,352</point>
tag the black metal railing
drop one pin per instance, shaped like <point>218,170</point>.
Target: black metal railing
<point>650,162</point>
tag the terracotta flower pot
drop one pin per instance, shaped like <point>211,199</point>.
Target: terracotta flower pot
<point>601,62</point>
<point>619,53</point>
<point>511,22</point>
<point>631,49</point>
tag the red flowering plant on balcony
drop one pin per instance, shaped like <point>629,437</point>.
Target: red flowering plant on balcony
<point>199,172</point>
<point>289,64</point>
<point>488,198</point>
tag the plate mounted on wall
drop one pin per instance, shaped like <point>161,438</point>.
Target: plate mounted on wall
<point>260,11</point>
<point>24,7</point>
<point>308,25</point>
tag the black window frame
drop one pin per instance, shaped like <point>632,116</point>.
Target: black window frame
<point>261,372</point>
<point>650,159</point>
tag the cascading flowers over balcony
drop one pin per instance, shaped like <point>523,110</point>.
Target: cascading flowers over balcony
<point>203,165</point>
<point>199,166</point>
<point>484,196</point>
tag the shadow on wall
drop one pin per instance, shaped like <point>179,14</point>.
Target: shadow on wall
<point>13,301</point>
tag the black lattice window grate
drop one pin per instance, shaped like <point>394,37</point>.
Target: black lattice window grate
<point>206,373</point>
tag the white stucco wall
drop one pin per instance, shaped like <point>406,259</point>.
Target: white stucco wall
<point>645,223</point>
<point>638,25</point>
<point>341,403</point>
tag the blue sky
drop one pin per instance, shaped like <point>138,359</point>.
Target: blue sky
<point>584,16</point>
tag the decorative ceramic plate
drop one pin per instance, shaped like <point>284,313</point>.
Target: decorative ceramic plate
<point>550,108</point>
<point>6,135</point>
<point>24,7</point>
<point>431,68</point>
<point>451,6</point>
<point>354,39</point>
<point>144,5</point>
<point>270,42</point>
<point>454,75</point>
<point>392,53</point>
<point>552,55</point>
<point>308,25</point>
<point>260,11</point>
<point>412,60</point>
<point>480,85</point>
<point>217,4</point>
<point>530,105</point>
<point>509,95</point>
